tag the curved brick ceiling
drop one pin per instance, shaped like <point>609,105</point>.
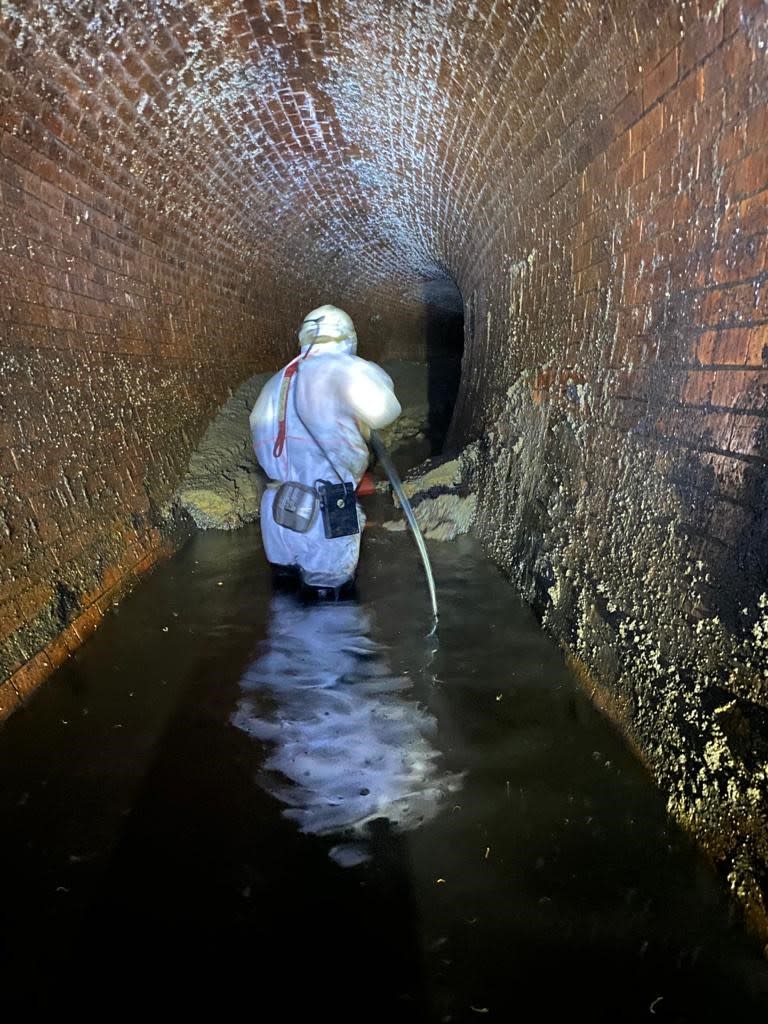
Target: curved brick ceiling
<point>354,140</point>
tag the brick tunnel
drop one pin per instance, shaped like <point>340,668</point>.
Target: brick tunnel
<point>585,182</point>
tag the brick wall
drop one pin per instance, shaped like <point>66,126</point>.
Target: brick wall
<point>181,181</point>
<point>616,376</point>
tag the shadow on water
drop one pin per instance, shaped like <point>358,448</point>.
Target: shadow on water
<point>229,801</point>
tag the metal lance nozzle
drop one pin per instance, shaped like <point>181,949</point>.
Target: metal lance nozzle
<point>397,487</point>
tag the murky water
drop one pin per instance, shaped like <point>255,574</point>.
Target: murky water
<point>232,803</point>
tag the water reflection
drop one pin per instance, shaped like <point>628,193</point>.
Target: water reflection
<point>349,743</point>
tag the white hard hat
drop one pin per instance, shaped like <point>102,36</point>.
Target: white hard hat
<point>327,323</point>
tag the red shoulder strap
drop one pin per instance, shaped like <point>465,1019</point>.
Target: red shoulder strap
<point>282,406</point>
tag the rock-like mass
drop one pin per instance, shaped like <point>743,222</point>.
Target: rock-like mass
<point>223,485</point>
<point>442,494</point>
<point>410,380</point>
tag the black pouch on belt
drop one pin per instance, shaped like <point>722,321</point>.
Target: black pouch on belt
<point>338,506</point>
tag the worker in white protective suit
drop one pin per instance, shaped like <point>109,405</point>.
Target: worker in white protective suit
<point>310,427</point>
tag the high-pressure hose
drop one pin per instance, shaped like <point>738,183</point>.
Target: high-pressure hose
<point>397,487</point>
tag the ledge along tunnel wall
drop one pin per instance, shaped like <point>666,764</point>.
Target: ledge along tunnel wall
<point>181,182</point>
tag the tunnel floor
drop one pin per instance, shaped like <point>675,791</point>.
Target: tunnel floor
<point>228,801</point>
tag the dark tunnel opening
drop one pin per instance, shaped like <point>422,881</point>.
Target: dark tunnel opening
<point>444,332</point>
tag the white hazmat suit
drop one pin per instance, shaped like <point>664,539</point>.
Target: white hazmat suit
<point>316,432</point>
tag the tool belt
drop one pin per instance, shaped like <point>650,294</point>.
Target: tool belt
<point>296,507</point>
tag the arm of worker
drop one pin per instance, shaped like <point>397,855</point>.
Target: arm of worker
<point>370,394</point>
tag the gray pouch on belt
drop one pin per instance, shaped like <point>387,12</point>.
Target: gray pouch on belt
<point>295,506</point>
